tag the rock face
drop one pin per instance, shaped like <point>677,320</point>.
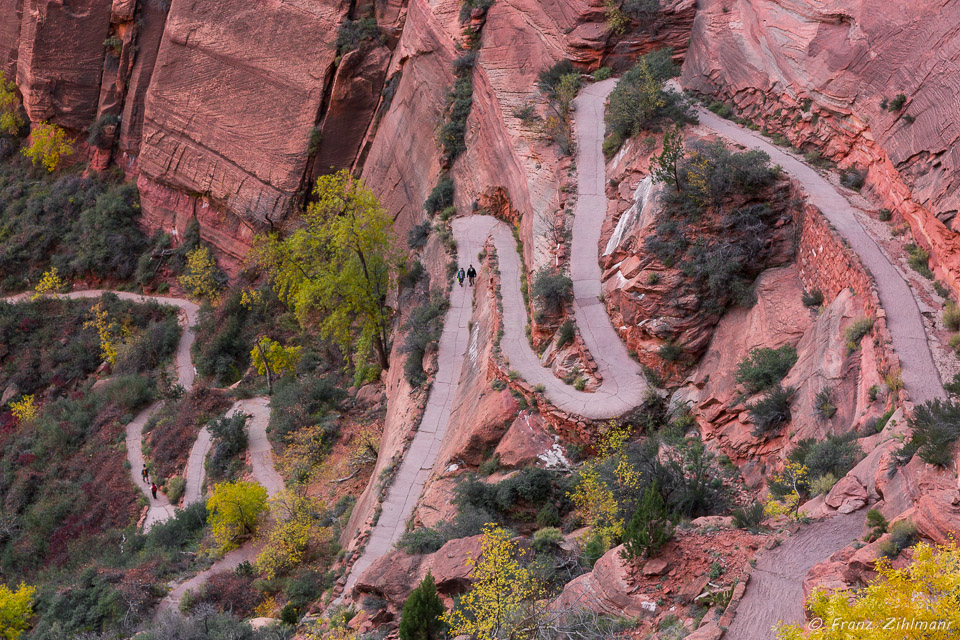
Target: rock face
<point>826,75</point>
<point>60,58</point>
<point>234,94</point>
<point>396,574</point>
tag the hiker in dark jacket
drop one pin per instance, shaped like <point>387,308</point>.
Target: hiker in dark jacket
<point>144,474</point>
<point>460,276</point>
<point>471,273</point>
<point>153,490</point>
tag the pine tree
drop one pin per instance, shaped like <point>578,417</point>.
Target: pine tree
<point>420,619</point>
<point>666,166</point>
<point>649,529</point>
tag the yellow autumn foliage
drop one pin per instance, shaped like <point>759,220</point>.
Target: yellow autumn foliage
<point>502,588</point>
<point>917,601</point>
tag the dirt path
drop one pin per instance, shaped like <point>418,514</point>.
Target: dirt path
<point>622,388</point>
<point>159,508</point>
<point>775,591</point>
<point>920,376</point>
<point>263,471</point>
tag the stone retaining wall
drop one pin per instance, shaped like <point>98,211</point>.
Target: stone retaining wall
<point>826,262</point>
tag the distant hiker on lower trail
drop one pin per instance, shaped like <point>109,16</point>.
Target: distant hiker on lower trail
<point>460,276</point>
<point>153,490</point>
<point>471,273</point>
<point>144,474</point>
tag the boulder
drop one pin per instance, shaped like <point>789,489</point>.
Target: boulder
<point>655,567</point>
<point>524,442</point>
<point>709,631</point>
<point>605,590</point>
<point>713,522</point>
<point>394,575</point>
<point>937,515</point>
<point>370,394</point>
<point>847,495</point>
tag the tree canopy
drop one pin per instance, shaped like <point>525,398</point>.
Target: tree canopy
<point>337,267</point>
<point>234,511</point>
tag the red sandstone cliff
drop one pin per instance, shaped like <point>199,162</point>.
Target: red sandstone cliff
<point>826,74</point>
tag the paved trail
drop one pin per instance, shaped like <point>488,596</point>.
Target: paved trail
<point>920,376</point>
<point>623,387</point>
<point>774,593</point>
<point>771,596</point>
<point>261,453</point>
<point>775,590</point>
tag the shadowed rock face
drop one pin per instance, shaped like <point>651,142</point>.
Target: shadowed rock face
<point>60,57</point>
<point>821,72</point>
<point>235,92</point>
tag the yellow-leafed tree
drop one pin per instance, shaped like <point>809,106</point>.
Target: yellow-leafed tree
<point>10,118</point>
<point>279,359</point>
<point>16,609</point>
<point>294,531</point>
<point>48,146</point>
<point>50,282</point>
<point>917,601</point>
<point>499,603</point>
<point>234,511</point>
<point>201,278</point>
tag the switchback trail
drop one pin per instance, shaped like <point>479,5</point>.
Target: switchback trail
<point>258,446</point>
<point>622,388</point>
<point>774,592</point>
<point>160,508</point>
<point>263,471</point>
<point>920,376</point>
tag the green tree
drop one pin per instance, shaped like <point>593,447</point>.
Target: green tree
<point>10,118</point>
<point>649,528</point>
<point>16,609</point>
<point>420,619</point>
<point>234,510</point>
<point>338,266</point>
<point>666,166</point>
<point>634,105</point>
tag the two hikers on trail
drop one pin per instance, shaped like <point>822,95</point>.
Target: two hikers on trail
<point>469,273</point>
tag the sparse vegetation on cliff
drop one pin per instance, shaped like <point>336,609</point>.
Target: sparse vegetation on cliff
<point>11,120</point>
<point>639,101</point>
<point>552,291</point>
<point>771,412</point>
<point>764,367</point>
<point>715,228</point>
<point>354,33</point>
<point>934,431</point>
<point>423,329</point>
